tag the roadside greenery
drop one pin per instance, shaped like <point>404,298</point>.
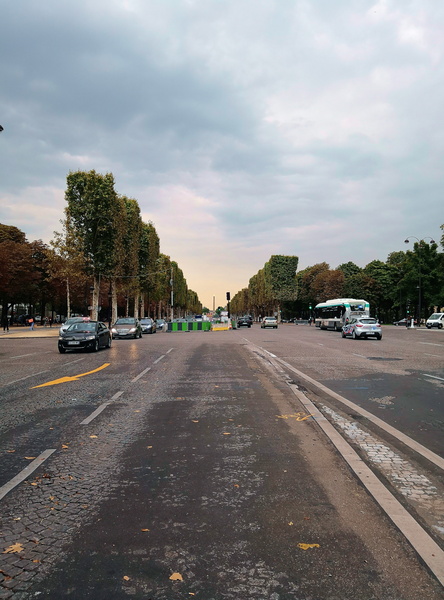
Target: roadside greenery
<point>398,287</point>
<point>105,258</point>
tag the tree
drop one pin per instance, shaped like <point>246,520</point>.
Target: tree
<point>93,218</point>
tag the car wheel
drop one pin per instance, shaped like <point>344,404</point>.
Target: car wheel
<point>109,342</point>
<point>440,326</point>
<point>343,334</point>
<point>62,350</point>
<point>96,346</point>
<point>379,337</point>
<point>354,336</point>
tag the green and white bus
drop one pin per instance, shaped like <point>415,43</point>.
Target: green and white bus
<point>333,314</point>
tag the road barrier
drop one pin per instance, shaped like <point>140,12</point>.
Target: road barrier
<point>189,326</point>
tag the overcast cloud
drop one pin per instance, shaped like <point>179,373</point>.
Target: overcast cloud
<point>244,128</point>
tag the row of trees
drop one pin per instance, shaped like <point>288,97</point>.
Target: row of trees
<point>410,282</point>
<point>105,257</point>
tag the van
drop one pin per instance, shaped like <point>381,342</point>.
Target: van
<point>435,320</point>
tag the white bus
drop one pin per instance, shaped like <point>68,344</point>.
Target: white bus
<point>333,314</point>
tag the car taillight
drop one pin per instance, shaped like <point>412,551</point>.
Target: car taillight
<point>359,325</point>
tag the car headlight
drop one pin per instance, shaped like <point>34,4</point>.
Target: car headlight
<point>132,329</point>
<point>113,330</point>
<point>90,337</point>
<point>60,338</point>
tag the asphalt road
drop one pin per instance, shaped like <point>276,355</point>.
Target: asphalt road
<point>203,475</point>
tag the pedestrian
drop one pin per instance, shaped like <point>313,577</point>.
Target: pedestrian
<point>310,321</point>
<point>5,324</point>
<point>31,323</point>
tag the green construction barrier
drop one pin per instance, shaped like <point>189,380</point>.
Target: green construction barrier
<point>189,326</point>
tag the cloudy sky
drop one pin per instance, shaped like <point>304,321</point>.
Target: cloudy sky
<point>244,128</point>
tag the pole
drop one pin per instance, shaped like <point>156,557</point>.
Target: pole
<point>172,294</point>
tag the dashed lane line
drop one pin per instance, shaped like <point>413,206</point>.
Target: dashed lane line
<point>23,378</point>
<point>141,374</point>
<point>26,472</point>
<point>433,376</point>
<point>159,359</point>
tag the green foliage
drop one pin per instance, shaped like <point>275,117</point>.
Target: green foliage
<point>9,233</point>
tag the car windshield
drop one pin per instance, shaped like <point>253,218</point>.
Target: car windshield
<point>75,320</point>
<point>125,321</point>
<point>435,317</point>
<point>82,327</point>
<point>368,321</point>
<point>146,321</point>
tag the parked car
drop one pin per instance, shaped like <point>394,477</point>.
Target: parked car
<point>405,322</point>
<point>269,322</point>
<point>85,335</point>
<point>73,320</point>
<point>148,325</point>
<point>362,327</point>
<point>435,320</point>
<point>245,321</point>
<point>126,327</point>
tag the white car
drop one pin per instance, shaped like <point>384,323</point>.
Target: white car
<point>362,327</point>
<point>73,320</point>
<point>269,322</point>
<point>435,320</point>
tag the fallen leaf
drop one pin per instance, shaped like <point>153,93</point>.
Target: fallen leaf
<point>34,483</point>
<point>144,530</point>
<point>136,411</point>
<point>126,578</point>
<point>176,577</point>
<point>92,436</point>
<point>236,485</point>
<point>30,457</point>
<point>65,446</point>
<point>291,523</point>
<point>195,420</point>
<point>14,548</point>
<point>11,451</point>
<point>225,433</point>
<point>36,560</point>
<point>307,546</point>
<point>149,447</point>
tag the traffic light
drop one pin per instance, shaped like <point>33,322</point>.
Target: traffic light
<point>228,296</point>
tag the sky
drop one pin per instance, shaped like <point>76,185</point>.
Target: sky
<point>244,128</point>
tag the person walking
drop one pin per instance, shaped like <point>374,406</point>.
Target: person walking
<point>5,324</point>
<point>31,323</point>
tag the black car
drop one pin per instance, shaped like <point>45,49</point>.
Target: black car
<point>90,335</point>
<point>405,322</point>
<point>246,321</point>
<point>148,325</point>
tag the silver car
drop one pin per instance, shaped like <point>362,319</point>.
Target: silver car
<point>362,327</point>
<point>269,322</point>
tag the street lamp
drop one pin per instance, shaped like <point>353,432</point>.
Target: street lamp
<point>432,241</point>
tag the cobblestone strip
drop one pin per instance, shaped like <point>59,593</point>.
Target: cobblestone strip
<point>40,517</point>
<point>416,487</point>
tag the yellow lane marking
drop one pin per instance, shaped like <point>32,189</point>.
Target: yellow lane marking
<point>74,378</point>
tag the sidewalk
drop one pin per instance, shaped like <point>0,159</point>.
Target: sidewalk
<point>25,332</point>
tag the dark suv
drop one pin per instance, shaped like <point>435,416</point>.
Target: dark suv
<point>246,321</point>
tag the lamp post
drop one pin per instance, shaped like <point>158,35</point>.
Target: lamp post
<point>406,241</point>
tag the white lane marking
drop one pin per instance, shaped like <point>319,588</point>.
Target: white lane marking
<point>95,413</point>
<point>141,374</point>
<point>170,350</point>
<point>25,472</point>
<point>159,359</point>
<point>320,344</point>
<point>27,377</point>
<point>440,378</point>
<point>99,409</point>
<point>273,355</point>
<point>71,362</point>
<point>23,355</point>
<point>432,344</point>
<point>424,545</point>
<point>361,355</point>
<point>435,355</point>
